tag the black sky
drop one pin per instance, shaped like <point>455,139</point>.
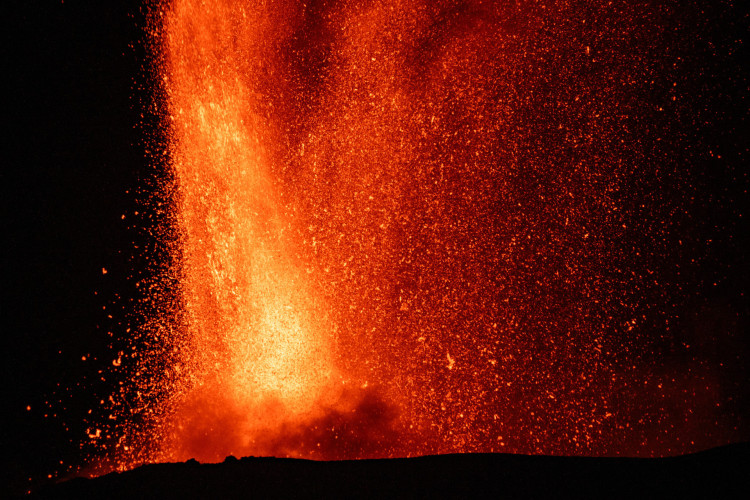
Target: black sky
<point>73,163</point>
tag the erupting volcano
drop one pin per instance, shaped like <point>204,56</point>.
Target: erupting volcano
<point>410,227</point>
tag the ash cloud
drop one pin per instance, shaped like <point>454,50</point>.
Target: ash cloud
<point>363,423</point>
<point>366,426</point>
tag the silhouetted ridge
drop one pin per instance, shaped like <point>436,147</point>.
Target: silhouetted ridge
<point>717,473</point>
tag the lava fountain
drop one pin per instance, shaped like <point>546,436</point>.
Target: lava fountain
<point>257,344</point>
<point>414,227</point>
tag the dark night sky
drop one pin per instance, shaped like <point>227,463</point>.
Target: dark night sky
<point>75,162</point>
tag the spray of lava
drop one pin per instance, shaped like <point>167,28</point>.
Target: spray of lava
<point>411,227</point>
<point>334,202</point>
<point>258,347</point>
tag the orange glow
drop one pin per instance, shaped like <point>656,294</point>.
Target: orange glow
<point>257,345</point>
<point>409,227</point>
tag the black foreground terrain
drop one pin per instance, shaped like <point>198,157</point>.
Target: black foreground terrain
<point>718,473</point>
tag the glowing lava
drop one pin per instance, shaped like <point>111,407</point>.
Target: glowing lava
<point>413,227</point>
<point>257,345</point>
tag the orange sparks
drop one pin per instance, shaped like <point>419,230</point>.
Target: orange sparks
<point>407,227</point>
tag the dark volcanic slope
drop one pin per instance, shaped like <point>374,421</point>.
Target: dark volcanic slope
<point>717,473</point>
